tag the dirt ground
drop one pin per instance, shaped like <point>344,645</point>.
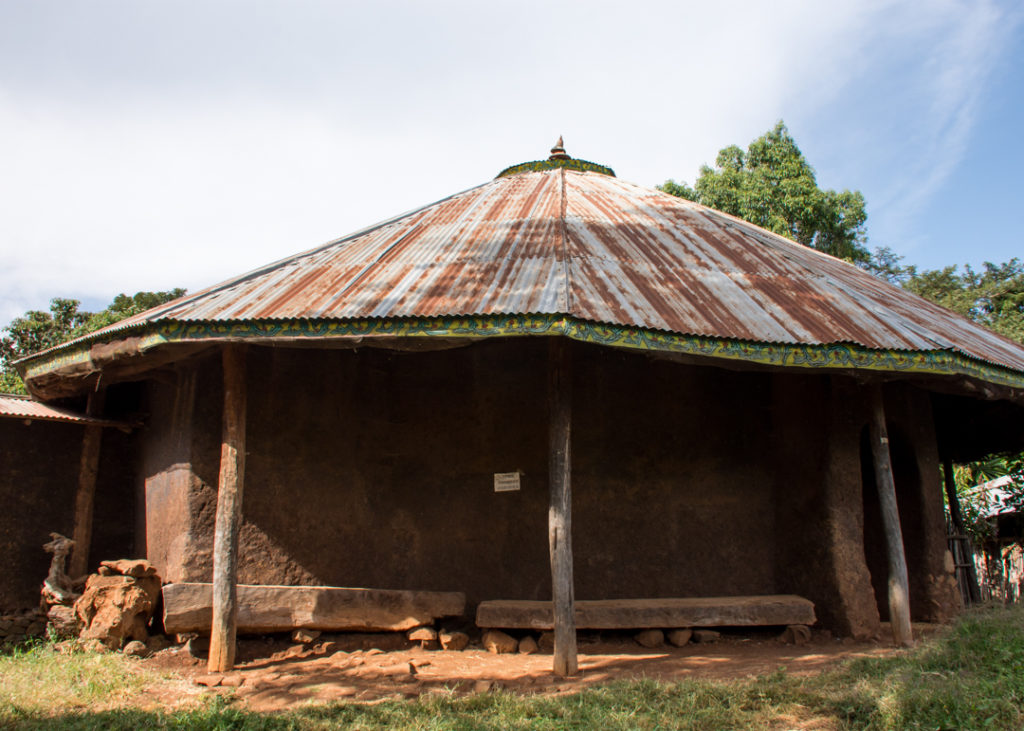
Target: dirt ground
<point>273,673</point>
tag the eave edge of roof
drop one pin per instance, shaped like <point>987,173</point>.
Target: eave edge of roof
<point>827,356</point>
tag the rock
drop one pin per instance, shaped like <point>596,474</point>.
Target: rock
<point>136,567</point>
<point>421,634</point>
<point>234,680</point>
<point>198,647</point>
<point>796,634</point>
<point>650,638</point>
<point>305,636</point>
<point>135,649</point>
<point>453,640</point>
<point>705,636</point>
<point>210,681</point>
<point>482,686</point>
<point>679,637</point>
<point>426,636</point>
<point>63,622</point>
<point>105,571</point>
<point>499,643</point>
<point>93,646</point>
<point>157,643</point>
<point>528,645</point>
<point>327,648</point>
<point>115,608</point>
<point>295,650</point>
<point>546,642</point>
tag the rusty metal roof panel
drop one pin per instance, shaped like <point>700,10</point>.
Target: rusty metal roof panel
<point>585,244</point>
<point>14,406</point>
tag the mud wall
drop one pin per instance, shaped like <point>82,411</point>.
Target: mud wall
<point>39,464</point>
<point>919,496</point>
<point>375,468</point>
<point>816,422</point>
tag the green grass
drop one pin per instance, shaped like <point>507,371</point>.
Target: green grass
<point>971,677</point>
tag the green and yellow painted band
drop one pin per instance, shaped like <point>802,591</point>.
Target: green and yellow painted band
<point>785,355</point>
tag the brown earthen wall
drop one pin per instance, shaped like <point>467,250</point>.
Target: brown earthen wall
<point>39,465</point>
<point>919,491</point>
<point>375,468</point>
<point>816,422</point>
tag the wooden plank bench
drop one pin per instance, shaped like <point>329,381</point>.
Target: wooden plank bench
<point>262,609</point>
<point>727,611</point>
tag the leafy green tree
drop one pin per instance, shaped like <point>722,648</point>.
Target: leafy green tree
<point>772,185</point>
<point>993,296</point>
<point>38,329</point>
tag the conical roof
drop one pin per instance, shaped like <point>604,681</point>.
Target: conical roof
<point>563,245</point>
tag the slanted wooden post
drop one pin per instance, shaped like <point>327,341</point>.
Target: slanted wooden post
<point>88,469</point>
<point>956,517</point>
<point>899,591</point>
<point>229,513</point>
<point>560,511</point>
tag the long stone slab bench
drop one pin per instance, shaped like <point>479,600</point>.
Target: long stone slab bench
<point>188,607</point>
<point>726,611</point>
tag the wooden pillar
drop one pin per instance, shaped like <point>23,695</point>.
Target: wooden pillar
<point>229,513</point>
<point>85,496</point>
<point>899,592</point>
<point>956,517</point>
<point>560,511</point>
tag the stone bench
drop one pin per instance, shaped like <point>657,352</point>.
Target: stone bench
<point>726,611</point>
<point>188,607</point>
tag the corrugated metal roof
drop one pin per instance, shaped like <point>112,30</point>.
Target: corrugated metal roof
<point>592,246</point>
<point>22,407</point>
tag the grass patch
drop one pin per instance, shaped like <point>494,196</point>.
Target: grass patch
<point>972,677</point>
<point>37,677</point>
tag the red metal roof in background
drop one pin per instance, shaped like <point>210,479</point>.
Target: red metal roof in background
<point>23,407</point>
<point>563,241</point>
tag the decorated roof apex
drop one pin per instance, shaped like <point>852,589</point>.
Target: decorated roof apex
<point>559,159</point>
<point>558,151</point>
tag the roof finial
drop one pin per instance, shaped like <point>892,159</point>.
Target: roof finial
<point>558,151</point>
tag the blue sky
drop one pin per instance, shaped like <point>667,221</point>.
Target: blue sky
<point>148,145</point>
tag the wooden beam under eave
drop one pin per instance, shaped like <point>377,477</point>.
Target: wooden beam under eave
<point>229,512</point>
<point>85,495</point>
<point>899,589</point>
<point>560,510</point>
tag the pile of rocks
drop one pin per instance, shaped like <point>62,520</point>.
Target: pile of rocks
<point>19,626</point>
<point>118,603</point>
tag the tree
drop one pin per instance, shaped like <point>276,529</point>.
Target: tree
<point>993,297</point>
<point>38,330</point>
<point>772,185</point>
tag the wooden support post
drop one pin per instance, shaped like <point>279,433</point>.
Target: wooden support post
<point>229,513</point>
<point>956,517</point>
<point>560,511</point>
<point>899,591</point>
<point>85,496</point>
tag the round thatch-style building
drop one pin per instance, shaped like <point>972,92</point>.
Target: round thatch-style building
<point>398,405</point>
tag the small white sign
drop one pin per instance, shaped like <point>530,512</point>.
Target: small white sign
<point>506,481</point>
